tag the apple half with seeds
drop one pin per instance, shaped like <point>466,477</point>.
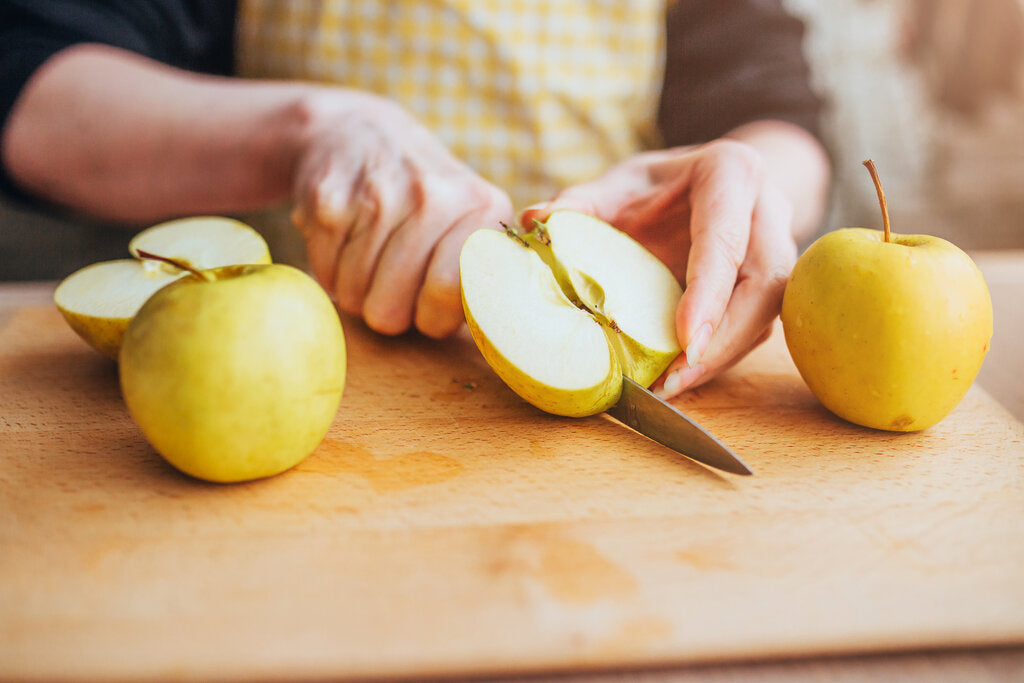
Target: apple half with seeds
<point>99,300</point>
<point>562,312</point>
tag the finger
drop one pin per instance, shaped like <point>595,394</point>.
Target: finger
<point>401,271</point>
<point>601,198</point>
<point>322,221</point>
<point>382,205</point>
<point>321,215</point>
<point>439,302</point>
<point>539,213</point>
<point>605,196</point>
<point>726,183</point>
<point>749,317</point>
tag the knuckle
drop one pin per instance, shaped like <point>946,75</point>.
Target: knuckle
<point>437,196</point>
<point>771,277</point>
<point>498,201</point>
<point>299,217</point>
<point>733,250</point>
<point>775,280</point>
<point>485,197</point>
<point>446,202</point>
<point>735,157</point>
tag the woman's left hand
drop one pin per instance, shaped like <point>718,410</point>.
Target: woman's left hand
<point>711,215</point>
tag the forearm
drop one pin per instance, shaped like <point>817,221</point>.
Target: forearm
<point>796,162</point>
<point>117,136</point>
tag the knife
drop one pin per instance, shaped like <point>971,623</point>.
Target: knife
<point>659,421</point>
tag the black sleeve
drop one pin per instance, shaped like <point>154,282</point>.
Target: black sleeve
<point>191,34</point>
<point>729,62</point>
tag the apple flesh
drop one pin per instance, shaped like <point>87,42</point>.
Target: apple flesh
<point>99,300</point>
<point>203,242</point>
<point>887,330</point>
<point>562,312</point>
<point>236,373</point>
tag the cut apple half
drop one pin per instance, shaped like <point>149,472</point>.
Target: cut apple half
<point>203,242</point>
<point>563,312</point>
<point>99,300</point>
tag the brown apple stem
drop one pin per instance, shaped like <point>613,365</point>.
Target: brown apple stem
<point>881,196</point>
<point>180,265</point>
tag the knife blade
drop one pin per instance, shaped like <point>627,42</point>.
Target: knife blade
<point>643,411</point>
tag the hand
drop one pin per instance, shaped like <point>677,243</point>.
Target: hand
<point>711,216</point>
<point>384,209</point>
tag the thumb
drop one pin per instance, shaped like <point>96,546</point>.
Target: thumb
<point>573,199</point>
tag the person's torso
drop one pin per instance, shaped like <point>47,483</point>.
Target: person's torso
<point>535,95</point>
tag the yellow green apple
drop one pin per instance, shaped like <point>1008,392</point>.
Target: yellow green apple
<point>234,373</point>
<point>888,330</point>
<point>562,312</point>
<point>99,300</point>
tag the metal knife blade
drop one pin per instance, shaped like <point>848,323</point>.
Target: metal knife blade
<point>659,421</point>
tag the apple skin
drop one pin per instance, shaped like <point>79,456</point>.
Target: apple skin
<point>555,400</point>
<point>888,335</point>
<point>127,281</point>
<point>238,377</point>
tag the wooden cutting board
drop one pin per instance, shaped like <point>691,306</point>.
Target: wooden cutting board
<point>444,526</point>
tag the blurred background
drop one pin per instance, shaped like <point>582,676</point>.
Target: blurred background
<point>932,90</point>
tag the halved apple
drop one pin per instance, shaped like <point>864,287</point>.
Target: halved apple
<point>99,300</point>
<point>563,312</point>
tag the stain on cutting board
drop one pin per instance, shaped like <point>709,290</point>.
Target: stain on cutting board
<point>384,474</point>
<point>576,573</point>
<point>638,634</point>
<point>572,571</point>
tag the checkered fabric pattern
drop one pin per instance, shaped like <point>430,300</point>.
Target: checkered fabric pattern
<point>535,95</point>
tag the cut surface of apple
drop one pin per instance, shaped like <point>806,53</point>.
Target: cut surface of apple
<point>203,242</point>
<point>562,312</point>
<point>99,300</point>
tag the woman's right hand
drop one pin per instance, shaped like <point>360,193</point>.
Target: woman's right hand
<point>384,209</point>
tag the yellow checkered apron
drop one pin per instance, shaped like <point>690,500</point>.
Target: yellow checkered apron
<point>535,95</point>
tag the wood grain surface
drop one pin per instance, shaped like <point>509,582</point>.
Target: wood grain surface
<point>444,527</point>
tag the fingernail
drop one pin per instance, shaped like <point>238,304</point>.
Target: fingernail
<point>540,208</point>
<point>671,386</point>
<point>698,344</point>
<point>678,380</point>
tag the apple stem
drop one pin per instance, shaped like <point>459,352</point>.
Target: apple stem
<point>540,230</point>
<point>881,196</point>
<point>180,265</point>
<point>514,234</point>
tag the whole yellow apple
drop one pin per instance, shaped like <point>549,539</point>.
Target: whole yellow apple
<point>234,373</point>
<point>888,331</point>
